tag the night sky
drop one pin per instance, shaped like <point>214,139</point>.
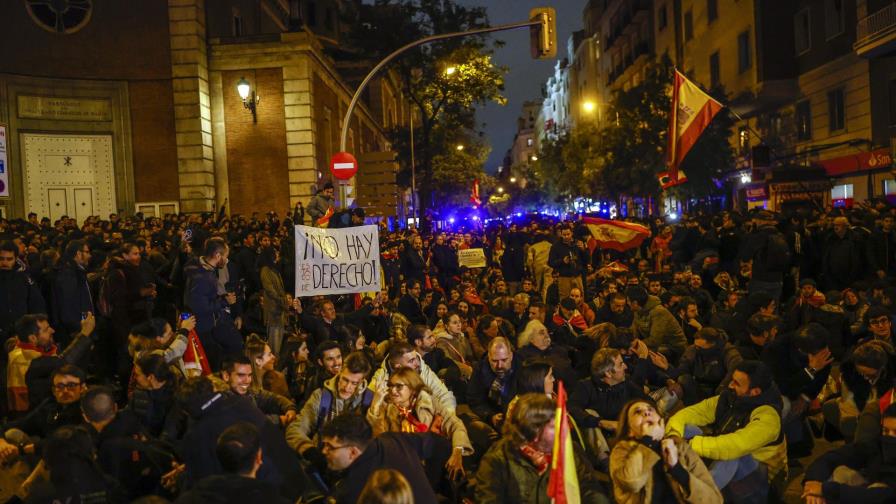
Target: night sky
<point>526,75</point>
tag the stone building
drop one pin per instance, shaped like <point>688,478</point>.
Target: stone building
<point>133,106</point>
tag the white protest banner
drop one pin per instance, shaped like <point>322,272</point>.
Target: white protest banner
<point>4,164</point>
<point>337,261</point>
<point>471,258</point>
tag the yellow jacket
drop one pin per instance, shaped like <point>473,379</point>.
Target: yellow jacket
<point>759,437</point>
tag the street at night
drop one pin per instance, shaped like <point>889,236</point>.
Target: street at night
<point>448,251</point>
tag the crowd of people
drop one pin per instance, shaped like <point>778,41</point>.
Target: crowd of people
<point>166,360</point>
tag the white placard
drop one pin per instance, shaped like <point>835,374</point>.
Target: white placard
<point>337,261</point>
<point>471,258</point>
<point>4,164</point>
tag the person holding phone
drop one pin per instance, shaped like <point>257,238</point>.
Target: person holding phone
<point>647,467</point>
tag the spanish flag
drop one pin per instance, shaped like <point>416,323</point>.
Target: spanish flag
<point>692,111</point>
<point>563,485</point>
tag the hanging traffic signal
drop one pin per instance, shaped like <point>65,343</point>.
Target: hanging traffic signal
<point>543,36</point>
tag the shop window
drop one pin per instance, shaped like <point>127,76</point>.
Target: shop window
<point>842,196</point>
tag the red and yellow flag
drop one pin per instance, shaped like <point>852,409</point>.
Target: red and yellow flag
<point>692,111</point>
<point>563,485</point>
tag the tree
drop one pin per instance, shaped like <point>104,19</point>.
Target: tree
<point>626,155</point>
<point>444,101</point>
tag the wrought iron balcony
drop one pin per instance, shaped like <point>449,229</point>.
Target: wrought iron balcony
<point>876,33</point>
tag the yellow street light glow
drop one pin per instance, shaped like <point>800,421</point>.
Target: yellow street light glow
<point>512,180</point>
<point>500,189</point>
<point>450,70</point>
<point>460,147</point>
<point>589,106</point>
<point>534,158</point>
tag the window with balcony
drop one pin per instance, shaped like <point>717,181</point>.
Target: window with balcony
<point>662,17</point>
<point>712,10</point>
<point>803,119</point>
<point>715,71</point>
<point>802,34</point>
<point>744,61</point>
<point>836,110</point>
<point>688,26</point>
<point>834,18</point>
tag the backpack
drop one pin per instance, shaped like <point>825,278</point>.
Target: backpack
<point>104,298</point>
<point>326,402</point>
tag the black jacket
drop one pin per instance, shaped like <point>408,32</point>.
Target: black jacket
<point>606,400</point>
<point>788,368</point>
<point>870,460</point>
<point>19,295</point>
<point>280,466</point>
<point>71,298</point>
<point>410,308</point>
<point>484,404</point>
<point>231,488</point>
<point>392,450</point>
<point>38,378</point>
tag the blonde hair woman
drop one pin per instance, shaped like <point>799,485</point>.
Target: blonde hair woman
<point>404,404</point>
<point>386,486</point>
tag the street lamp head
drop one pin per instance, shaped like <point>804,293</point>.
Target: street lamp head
<point>500,189</point>
<point>460,147</point>
<point>450,70</point>
<point>512,180</point>
<point>589,106</point>
<point>243,88</point>
<point>534,158</point>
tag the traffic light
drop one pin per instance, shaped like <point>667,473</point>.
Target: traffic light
<point>543,36</point>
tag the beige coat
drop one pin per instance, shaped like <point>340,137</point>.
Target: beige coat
<point>386,418</point>
<point>631,469</point>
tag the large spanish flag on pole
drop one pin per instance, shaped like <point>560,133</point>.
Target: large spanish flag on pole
<point>692,111</point>
<point>563,484</point>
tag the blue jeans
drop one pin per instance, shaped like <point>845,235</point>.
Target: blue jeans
<point>725,471</point>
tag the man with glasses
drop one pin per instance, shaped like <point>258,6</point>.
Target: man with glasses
<point>345,392</point>
<point>879,326</point>
<point>68,385</point>
<point>349,446</point>
<point>71,297</point>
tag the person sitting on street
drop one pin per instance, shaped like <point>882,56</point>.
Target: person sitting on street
<point>858,472</point>
<point>705,368</point>
<point>542,347</point>
<point>743,439</point>
<point>596,401</point>
<point>761,330</point>
<point>237,373</point>
<point>655,325</point>
<point>516,468</point>
<point>404,405</point>
<point>648,467</point>
<point>866,375</point>
<point>402,355</point>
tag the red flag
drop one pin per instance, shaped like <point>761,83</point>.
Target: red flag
<point>195,361</point>
<point>616,235</point>
<point>667,182</point>
<point>474,194</point>
<point>692,111</point>
<point>563,484</point>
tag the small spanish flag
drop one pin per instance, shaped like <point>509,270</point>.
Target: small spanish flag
<point>324,220</point>
<point>563,485</point>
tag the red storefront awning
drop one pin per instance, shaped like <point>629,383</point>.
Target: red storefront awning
<point>857,162</point>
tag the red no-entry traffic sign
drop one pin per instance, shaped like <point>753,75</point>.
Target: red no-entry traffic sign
<point>343,165</point>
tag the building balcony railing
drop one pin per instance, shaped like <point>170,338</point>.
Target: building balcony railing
<point>876,33</point>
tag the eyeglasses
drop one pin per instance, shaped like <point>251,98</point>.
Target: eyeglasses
<point>326,447</point>
<point>879,321</point>
<point>67,385</point>
<point>396,386</point>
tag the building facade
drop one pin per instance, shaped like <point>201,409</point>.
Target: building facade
<point>134,107</point>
